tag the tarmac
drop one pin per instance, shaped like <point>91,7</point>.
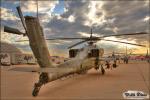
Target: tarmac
<point>90,86</point>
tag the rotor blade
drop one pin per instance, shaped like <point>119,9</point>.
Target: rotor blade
<point>65,38</point>
<point>55,39</point>
<point>124,42</point>
<point>140,33</point>
<point>12,30</point>
<point>21,17</point>
<point>21,40</point>
<point>77,44</point>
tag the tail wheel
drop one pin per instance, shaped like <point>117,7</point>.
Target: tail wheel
<point>36,89</point>
<point>43,79</point>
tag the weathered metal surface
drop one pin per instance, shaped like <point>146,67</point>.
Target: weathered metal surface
<point>37,41</point>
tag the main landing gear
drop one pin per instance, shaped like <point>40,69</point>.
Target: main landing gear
<point>100,67</point>
<point>102,70</point>
<point>43,79</point>
<point>115,64</point>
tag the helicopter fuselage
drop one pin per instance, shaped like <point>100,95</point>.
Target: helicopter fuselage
<point>81,63</point>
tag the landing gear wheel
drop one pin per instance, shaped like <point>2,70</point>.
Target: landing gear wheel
<point>36,89</point>
<point>114,65</point>
<point>84,72</point>
<point>102,70</point>
<point>96,68</point>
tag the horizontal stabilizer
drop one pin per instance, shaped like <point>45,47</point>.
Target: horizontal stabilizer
<point>12,30</point>
<point>38,69</point>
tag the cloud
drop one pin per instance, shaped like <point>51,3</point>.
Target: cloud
<point>105,17</point>
<point>45,9</point>
<point>147,18</point>
<point>9,17</point>
<point>43,6</point>
<point>12,38</point>
<point>71,18</point>
<point>88,35</point>
<point>7,14</point>
<point>95,16</point>
<point>127,14</point>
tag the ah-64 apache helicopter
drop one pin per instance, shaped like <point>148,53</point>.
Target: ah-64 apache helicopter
<point>81,59</point>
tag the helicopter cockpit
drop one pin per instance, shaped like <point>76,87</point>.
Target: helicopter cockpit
<point>92,53</point>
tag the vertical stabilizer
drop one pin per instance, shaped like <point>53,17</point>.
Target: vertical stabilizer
<point>37,41</point>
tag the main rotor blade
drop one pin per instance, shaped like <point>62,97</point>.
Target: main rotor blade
<point>140,33</point>
<point>124,42</point>
<point>12,30</point>
<point>21,17</point>
<point>55,39</point>
<point>21,40</point>
<point>66,38</point>
<point>77,44</point>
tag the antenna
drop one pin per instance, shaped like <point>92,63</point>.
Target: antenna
<point>37,9</point>
<point>91,33</point>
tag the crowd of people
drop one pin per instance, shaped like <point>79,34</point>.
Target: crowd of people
<point>119,59</point>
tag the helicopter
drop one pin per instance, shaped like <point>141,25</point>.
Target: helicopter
<point>81,60</point>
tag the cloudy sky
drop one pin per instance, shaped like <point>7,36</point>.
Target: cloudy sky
<point>72,18</point>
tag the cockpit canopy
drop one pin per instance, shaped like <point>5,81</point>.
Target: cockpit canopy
<point>92,53</point>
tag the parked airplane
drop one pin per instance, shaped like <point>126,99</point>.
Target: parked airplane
<point>85,59</point>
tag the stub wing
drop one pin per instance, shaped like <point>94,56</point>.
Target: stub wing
<point>38,69</point>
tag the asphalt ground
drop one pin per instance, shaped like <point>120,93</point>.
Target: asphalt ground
<point>90,86</point>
